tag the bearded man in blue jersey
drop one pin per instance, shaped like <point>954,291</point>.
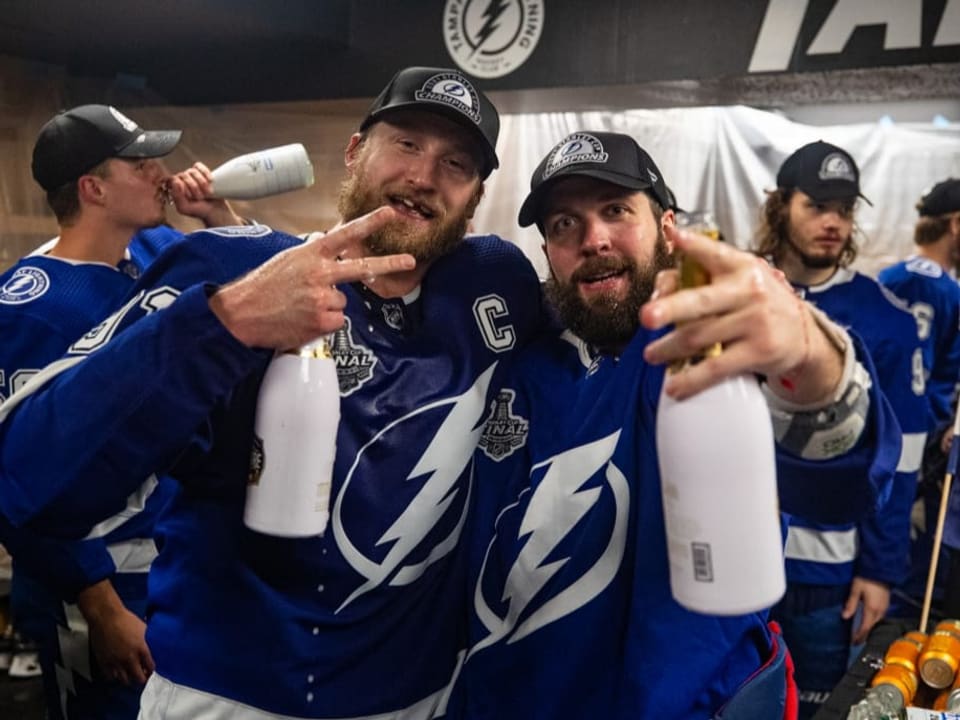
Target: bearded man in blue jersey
<point>572,611</point>
<point>367,620</point>
<point>839,576</point>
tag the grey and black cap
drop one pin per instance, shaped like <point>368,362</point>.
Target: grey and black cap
<point>612,157</point>
<point>823,171</point>
<point>448,93</point>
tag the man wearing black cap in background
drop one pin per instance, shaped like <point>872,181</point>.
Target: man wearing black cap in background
<point>573,616</point>
<point>926,283</point>
<point>367,620</point>
<point>837,572</point>
<point>105,183</point>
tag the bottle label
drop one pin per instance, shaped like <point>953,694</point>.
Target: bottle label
<point>924,714</point>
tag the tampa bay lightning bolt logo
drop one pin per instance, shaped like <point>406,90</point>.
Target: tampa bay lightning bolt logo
<point>26,284</point>
<point>573,150</point>
<point>570,489</point>
<point>492,38</point>
<point>428,526</point>
<point>452,90</point>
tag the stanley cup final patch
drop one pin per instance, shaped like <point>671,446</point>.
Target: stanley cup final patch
<point>354,362</point>
<point>503,432</point>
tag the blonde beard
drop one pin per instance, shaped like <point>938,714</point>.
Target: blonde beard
<point>442,236</point>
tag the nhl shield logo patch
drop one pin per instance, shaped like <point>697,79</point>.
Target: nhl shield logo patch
<point>393,315</point>
<point>355,363</point>
<point>503,432</point>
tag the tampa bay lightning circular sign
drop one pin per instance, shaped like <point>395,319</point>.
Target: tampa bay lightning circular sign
<point>491,38</point>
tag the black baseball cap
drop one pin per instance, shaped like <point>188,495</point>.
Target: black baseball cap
<point>73,142</point>
<point>942,199</point>
<point>448,93</point>
<point>606,156</point>
<point>822,171</point>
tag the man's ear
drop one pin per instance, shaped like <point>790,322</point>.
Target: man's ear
<point>351,156</point>
<point>474,201</point>
<point>553,275</point>
<point>90,189</point>
<point>668,219</point>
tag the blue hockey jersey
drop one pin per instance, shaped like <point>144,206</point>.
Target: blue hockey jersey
<point>879,547</point>
<point>934,299</point>
<point>365,620</point>
<point>572,612</point>
<point>46,303</point>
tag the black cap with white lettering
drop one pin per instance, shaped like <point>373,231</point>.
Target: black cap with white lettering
<point>822,171</point>
<point>613,157</point>
<point>448,93</point>
<point>73,142</point>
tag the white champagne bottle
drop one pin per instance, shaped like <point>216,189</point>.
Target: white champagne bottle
<point>263,173</point>
<point>719,488</point>
<point>298,413</point>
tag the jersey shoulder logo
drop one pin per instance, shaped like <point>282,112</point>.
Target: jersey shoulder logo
<point>240,230</point>
<point>355,363</point>
<point>924,266</point>
<point>503,432</point>
<point>26,284</point>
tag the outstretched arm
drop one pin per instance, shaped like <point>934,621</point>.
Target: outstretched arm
<point>165,372</point>
<point>751,309</point>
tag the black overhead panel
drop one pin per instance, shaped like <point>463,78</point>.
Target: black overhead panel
<point>217,51</point>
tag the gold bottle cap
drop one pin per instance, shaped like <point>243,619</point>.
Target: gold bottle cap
<point>937,670</point>
<point>318,349</point>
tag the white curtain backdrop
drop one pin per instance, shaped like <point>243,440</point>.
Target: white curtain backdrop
<point>723,158</point>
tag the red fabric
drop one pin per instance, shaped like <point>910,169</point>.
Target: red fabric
<point>791,706</point>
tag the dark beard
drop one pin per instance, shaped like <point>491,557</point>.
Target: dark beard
<point>818,262</point>
<point>605,322</point>
<point>443,235</point>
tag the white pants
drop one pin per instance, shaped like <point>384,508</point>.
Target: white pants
<point>165,700</point>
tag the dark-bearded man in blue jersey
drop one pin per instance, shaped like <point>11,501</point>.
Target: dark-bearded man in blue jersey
<point>572,611</point>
